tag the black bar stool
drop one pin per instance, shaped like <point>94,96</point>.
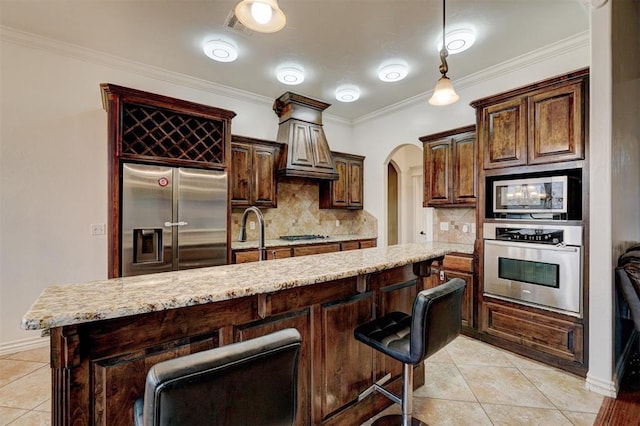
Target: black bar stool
<point>435,321</point>
<point>246,383</point>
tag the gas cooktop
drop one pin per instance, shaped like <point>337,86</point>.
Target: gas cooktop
<point>302,237</point>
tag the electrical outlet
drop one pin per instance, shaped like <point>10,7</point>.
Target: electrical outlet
<point>444,226</point>
<point>466,228</point>
<point>337,222</point>
<point>97,229</point>
<point>252,224</point>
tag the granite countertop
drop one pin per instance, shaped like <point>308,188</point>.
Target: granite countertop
<point>69,304</point>
<point>242,245</point>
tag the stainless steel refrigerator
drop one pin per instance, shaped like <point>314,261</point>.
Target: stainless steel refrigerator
<point>172,218</point>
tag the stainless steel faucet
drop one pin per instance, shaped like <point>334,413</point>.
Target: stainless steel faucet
<point>262,250</point>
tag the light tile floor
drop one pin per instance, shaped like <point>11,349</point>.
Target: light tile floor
<point>472,383</point>
<point>467,383</point>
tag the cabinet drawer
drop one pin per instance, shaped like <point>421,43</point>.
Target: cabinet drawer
<point>316,249</point>
<point>254,255</point>
<point>554,336</point>
<point>367,243</point>
<point>458,262</point>
<point>350,245</point>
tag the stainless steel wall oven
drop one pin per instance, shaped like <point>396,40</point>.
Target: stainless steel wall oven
<point>535,264</point>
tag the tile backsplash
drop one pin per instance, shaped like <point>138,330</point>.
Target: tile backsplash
<point>298,212</point>
<point>461,224</point>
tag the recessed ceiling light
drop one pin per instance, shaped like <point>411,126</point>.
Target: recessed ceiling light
<point>220,50</point>
<point>393,72</point>
<point>348,93</point>
<point>291,75</point>
<point>457,40</point>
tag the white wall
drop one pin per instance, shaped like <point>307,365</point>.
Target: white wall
<point>53,161</point>
<point>614,171</point>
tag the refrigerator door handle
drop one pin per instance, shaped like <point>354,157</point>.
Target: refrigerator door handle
<point>181,223</point>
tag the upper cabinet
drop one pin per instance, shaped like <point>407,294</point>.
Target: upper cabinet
<point>450,168</point>
<point>537,124</point>
<point>347,191</point>
<point>253,172</point>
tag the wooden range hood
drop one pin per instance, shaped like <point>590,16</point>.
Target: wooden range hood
<point>306,153</point>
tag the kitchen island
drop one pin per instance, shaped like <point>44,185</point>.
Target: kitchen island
<point>105,335</point>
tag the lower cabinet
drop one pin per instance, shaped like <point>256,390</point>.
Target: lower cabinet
<point>315,249</point>
<point>551,336</point>
<point>346,364</point>
<point>459,266</point>
<point>252,255</point>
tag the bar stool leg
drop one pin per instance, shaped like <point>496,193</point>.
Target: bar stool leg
<point>407,394</point>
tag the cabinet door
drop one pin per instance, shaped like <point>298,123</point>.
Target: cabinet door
<point>467,297</point>
<point>504,134</point>
<point>464,171</point>
<point>241,174</point>
<point>355,179</point>
<point>555,125</point>
<point>264,176</point>
<point>437,172</point>
<point>340,187</point>
<point>345,364</point>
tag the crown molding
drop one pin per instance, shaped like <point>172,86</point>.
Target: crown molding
<point>550,51</point>
<point>80,53</point>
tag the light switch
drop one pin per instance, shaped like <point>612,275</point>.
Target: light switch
<point>444,226</point>
<point>252,225</point>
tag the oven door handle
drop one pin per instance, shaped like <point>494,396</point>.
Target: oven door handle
<point>551,247</point>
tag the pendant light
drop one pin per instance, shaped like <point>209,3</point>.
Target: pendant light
<point>443,94</point>
<point>263,16</point>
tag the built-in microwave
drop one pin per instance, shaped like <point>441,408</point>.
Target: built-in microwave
<point>542,197</point>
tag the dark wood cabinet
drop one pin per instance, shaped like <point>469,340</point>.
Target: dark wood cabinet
<point>538,124</point>
<point>458,265</point>
<point>315,249</point>
<point>346,363</point>
<point>347,191</point>
<point>253,172</point>
<point>280,252</point>
<point>538,129</point>
<point>561,337</point>
<point>450,168</point>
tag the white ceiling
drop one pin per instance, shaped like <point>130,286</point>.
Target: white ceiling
<point>336,41</point>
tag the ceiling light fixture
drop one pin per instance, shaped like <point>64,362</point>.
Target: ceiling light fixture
<point>457,40</point>
<point>220,50</point>
<point>261,15</point>
<point>393,72</point>
<point>347,93</point>
<point>443,94</point>
<point>291,75</point>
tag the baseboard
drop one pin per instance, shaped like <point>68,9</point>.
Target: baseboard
<point>23,345</point>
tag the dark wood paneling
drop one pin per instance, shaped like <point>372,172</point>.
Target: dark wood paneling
<point>556,122</point>
<point>346,364</point>
<point>347,192</point>
<point>561,338</point>
<point>315,249</point>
